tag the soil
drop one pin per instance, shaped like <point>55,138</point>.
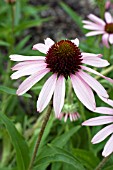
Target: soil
<point>61,25</point>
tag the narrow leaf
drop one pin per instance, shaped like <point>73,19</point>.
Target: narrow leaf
<point>21,148</point>
<point>11,91</point>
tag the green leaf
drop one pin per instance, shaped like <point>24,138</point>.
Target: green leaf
<point>87,158</point>
<point>21,148</point>
<point>52,154</point>
<point>5,168</point>
<point>27,24</point>
<point>45,135</point>
<point>63,139</point>
<point>3,43</point>
<point>22,43</point>
<point>11,91</point>
<point>109,167</point>
<point>76,18</point>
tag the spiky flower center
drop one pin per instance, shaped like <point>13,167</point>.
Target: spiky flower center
<point>109,28</point>
<point>64,58</point>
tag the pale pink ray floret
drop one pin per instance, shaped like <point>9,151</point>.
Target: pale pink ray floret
<point>65,116</point>
<point>62,60</point>
<point>104,132</point>
<point>98,26</point>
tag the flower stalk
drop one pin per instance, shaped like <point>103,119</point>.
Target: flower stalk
<point>102,163</point>
<point>46,118</point>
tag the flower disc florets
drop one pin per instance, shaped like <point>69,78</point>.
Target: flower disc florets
<point>64,58</point>
<point>109,28</point>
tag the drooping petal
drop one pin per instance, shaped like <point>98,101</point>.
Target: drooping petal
<point>41,47</point>
<point>90,55</point>
<point>111,38</point>
<point>108,149</point>
<point>105,40</point>
<point>94,27</point>
<point>87,22</point>
<point>97,73</point>
<point>108,17</point>
<point>59,95</point>
<point>76,41</point>
<point>28,71</point>
<point>65,117</point>
<point>94,33</point>
<point>83,92</point>
<point>93,83</point>
<point>100,120</point>
<point>96,19</point>
<point>108,101</point>
<point>49,42</point>
<point>30,81</point>
<point>46,93</point>
<point>104,110</point>
<point>92,24</point>
<point>16,57</point>
<point>102,134</point>
<point>94,61</point>
<point>25,64</point>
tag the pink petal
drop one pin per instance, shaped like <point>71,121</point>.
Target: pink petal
<point>94,27</point>
<point>111,38</point>
<point>83,92</point>
<point>89,23</point>
<point>96,19</point>
<point>102,134</point>
<point>24,64</point>
<point>59,95</point>
<point>46,93</point>
<point>104,110</point>
<point>108,17</point>
<point>49,42</point>
<point>95,61</point>
<point>107,4</point>
<point>76,41</point>
<point>30,81</point>
<point>108,149</point>
<point>71,117</point>
<point>16,57</point>
<point>94,33</point>
<point>65,118</point>
<point>93,83</point>
<point>108,101</point>
<point>100,120</point>
<point>97,73</point>
<point>41,47</point>
<point>105,40</point>
<point>28,71</point>
<point>90,55</point>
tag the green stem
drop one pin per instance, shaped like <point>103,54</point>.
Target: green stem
<point>12,44</point>
<point>101,5</point>
<point>105,72</point>
<point>45,120</point>
<point>13,35</point>
<point>6,77</point>
<point>102,163</point>
<point>69,92</point>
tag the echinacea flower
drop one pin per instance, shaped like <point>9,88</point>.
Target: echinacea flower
<point>106,131</point>
<point>99,26</point>
<point>72,116</point>
<point>63,60</point>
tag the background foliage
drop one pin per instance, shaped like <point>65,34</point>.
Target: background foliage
<point>64,146</point>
